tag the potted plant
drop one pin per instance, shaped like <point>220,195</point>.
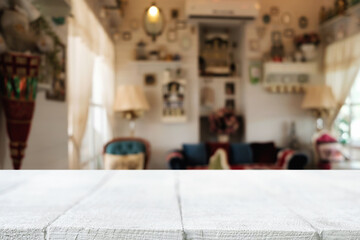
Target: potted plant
<point>224,123</point>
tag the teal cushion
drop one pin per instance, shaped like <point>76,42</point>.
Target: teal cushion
<point>125,148</point>
<point>195,154</point>
<point>240,153</point>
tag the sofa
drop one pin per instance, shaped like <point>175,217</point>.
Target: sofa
<point>239,156</point>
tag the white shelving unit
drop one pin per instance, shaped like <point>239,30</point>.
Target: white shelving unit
<point>342,26</point>
<point>149,63</point>
<point>288,77</point>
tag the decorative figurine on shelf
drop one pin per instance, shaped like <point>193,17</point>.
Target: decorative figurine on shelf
<point>174,92</point>
<point>277,49</point>
<point>141,51</point>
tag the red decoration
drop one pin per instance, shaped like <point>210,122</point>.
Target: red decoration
<point>18,122</point>
<point>223,121</point>
<point>18,83</point>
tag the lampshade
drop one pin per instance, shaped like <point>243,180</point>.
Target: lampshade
<point>319,98</point>
<point>130,98</point>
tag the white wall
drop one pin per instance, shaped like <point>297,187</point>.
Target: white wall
<point>163,137</point>
<point>267,115</point>
<point>47,144</point>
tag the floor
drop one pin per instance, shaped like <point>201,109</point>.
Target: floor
<point>180,205</point>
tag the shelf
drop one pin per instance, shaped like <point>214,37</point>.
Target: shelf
<point>288,77</point>
<point>309,68</point>
<point>158,63</point>
<point>341,18</point>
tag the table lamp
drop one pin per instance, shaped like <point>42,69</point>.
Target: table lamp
<point>320,100</point>
<point>131,102</point>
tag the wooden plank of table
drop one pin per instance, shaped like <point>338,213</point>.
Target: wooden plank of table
<point>329,201</point>
<point>28,209</point>
<point>10,180</point>
<point>229,205</point>
<point>132,205</point>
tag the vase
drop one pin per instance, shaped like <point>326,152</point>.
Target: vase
<point>223,138</point>
<point>309,51</point>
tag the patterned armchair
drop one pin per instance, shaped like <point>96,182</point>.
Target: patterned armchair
<point>126,150</point>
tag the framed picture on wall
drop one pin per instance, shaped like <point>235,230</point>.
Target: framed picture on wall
<point>230,104</point>
<point>150,80</point>
<point>172,35</point>
<point>181,25</point>
<point>255,71</point>
<point>57,92</point>
<point>126,36</point>
<point>230,88</point>
<point>254,45</point>
<point>174,101</point>
<point>289,33</point>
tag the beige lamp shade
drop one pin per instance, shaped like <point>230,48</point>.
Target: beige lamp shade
<point>130,98</point>
<point>319,98</point>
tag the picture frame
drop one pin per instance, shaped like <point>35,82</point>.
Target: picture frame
<point>172,35</point>
<point>230,104</point>
<point>260,31</point>
<point>303,22</point>
<point>57,92</point>
<point>174,14</point>
<point>181,24</point>
<point>274,11</point>
<point>286,19</point>
<point>150,79</point>
<point>289,33</point>
<point>134,24</point>
<point>174,109</point>
<point>230,88</point>
<point>185,42</point>
<point>254,45</point>
<point>126,36</point>
<point>276,37</point>
<point>266,19</point>
<point>255,71</point>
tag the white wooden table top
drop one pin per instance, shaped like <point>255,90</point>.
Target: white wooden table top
<point>166,205</point>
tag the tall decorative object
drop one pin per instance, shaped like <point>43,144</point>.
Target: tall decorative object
<point>18,85</point>
<point>174,99</point>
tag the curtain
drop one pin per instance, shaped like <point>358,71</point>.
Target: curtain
<point>87,42</point>
<point>342,64</point>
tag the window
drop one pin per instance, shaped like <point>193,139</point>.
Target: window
<point>97,130</point>
<point>347,124</point>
